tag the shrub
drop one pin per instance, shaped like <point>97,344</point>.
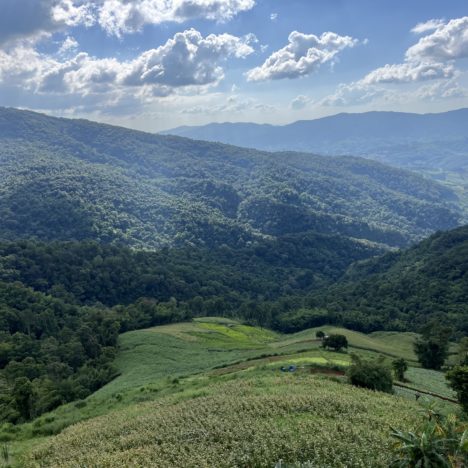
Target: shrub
<point>458,380</point>
<point>372,374</point>
<point>400,366</point>
<point>335,342</point>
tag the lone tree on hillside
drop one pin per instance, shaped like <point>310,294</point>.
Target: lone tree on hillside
<point>432,348</point>
<point>320,334</point>
<point>400,366</point>
<point>335,342</point>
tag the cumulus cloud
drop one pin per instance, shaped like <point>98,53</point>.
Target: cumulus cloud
<point>299,102</point>
<point>186,60</point>
<point>353,94</point>
<point>409,72</point>
<point>69,45</point>
<point>33,19</point>
<point>232,105</point>
<point>449,41</point>
<point>303,55</point>
<point>119,17</point>
<point>427,26</point>
<point>431,58</point>
<point>441,90</point>
<point>21,19</point>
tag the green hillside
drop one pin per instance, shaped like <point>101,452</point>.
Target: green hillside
<point>427,280</point>
<point>215,371</point>
<point>75,180</point>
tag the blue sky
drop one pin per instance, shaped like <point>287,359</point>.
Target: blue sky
<point>157,64</point>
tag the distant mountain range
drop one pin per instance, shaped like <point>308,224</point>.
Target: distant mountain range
<point>424,141</point>
<point>74,180</point>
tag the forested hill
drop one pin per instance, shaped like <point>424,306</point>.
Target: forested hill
<point>424,141</point>
<point>403,289</point>
<point>75,180</point>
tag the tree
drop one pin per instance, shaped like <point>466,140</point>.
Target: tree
<point>23,394</point>
<point>458,380</point>
<point>463,352</point>
<point>335,342</point>
<point>432,348</point>
<point>320,334</point>
<point>372,374</point>
<point>400,366</point>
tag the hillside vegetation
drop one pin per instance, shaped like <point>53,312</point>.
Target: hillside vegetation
<point>76,180</point>
<point>429,279</point>
<point>216,388</point>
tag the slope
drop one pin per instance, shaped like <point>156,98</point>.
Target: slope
<point>230,364</point>
<point>408,287</point>
<point>75,180</point>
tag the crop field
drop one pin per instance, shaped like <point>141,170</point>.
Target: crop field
<point>253,421</point>
<point>190,366</point>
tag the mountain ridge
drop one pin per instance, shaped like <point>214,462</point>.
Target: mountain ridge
<point>76,179</point>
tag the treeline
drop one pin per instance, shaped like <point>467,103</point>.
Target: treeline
<point>62,305</point>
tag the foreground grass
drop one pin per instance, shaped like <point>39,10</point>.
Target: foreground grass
<point>177,362</point>
<point>253,420</point>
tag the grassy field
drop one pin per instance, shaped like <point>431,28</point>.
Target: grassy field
<point>180,363</point>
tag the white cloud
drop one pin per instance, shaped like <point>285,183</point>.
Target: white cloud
<point>303,55</point>
<point>431,58</point>
<point>299,102</point>
<point>353,94</point>
<point>119,17</point>
<point>274,16</point>
<point>232,105</point>
<point>73,13</point>
<point>441,90</point>
<point>449,41</point>
<point>427,26</point>
<point>69,45</point>
<point>34,19</point>
<point>187,60</point>
<point>409,72</point>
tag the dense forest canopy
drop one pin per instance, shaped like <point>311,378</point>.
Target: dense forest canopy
<point>78,180</point>
<point>106,230</point>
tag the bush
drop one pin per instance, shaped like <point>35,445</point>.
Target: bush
<point>458,380</point>
<point>335,342</point>
<point>372,374</point>
<point>400,366</point>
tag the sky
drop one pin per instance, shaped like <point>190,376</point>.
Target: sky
<point>158,64</point>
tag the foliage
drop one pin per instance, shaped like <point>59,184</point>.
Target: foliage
<point>335,342</point>
<point>247,421</point>
<point>406,289</point>
<point>77,180</point>
<point>400,366</point>
<point>320,334</point>
<point>370,373</point>
<point>433,346</point>
<point>458,380</point>
<point>437,442</point>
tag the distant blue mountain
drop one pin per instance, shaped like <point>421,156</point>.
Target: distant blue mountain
<point>426,141</point>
